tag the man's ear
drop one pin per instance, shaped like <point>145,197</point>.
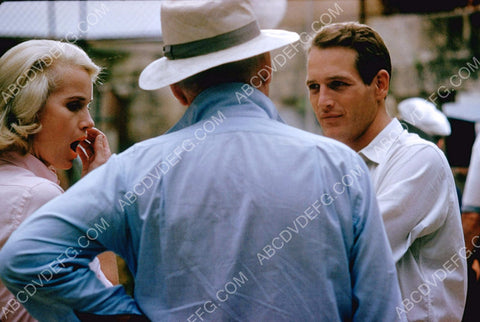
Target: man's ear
<point>382,84</point>
<point>267,65</point>
<point>179,94</point>
<point>264,73</point>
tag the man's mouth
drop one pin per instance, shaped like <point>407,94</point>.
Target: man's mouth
<point>330,116</point>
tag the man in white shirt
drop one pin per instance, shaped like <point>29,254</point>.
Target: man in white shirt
<point>348,76</point>
<point>471,228</point>
<point>471,201</point>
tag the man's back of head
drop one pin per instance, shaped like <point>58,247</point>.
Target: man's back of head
<point>231,215</point>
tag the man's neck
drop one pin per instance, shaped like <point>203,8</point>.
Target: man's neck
<point>377,126</point>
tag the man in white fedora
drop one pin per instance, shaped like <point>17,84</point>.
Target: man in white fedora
<point>230,216</point>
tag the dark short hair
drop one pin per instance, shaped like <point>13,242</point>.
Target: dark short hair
<point>372,54</point>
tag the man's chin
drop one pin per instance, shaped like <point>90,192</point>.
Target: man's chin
<point>338,136</point>
<point>332,133</point>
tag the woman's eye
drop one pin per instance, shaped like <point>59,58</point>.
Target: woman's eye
<point>74,106</point>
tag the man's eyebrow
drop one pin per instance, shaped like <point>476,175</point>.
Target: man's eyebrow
<point>337,77</point>
<point>330,78</point>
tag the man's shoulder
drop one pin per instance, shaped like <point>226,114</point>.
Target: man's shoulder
<point>411,143</point>
<point>410,149</point>
<point>191,137</point>
<point>321,141</point>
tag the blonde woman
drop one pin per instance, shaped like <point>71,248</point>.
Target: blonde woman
<point>45,123</point>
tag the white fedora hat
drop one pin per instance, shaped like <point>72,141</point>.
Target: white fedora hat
<point>424,115</point>
<point>202,34</point>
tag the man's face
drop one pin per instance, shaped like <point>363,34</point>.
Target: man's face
<point>345,107</point>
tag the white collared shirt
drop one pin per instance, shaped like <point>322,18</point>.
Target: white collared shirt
<point>471,192</point>
<point>419,205</point>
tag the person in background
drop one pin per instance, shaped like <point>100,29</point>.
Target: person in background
<point>425,119</point>
<point>348,77</point>
<point>45,124</point>
<point>471,229</point>
<point>231,215</point>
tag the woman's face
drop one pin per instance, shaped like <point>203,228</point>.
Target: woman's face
<point>65,119</point>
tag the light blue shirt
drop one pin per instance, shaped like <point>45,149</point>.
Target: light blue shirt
<point>232,215</point>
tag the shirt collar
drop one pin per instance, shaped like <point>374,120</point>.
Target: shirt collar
<point>31,163</point>
<point>376,151</point>
<point>231,99</point>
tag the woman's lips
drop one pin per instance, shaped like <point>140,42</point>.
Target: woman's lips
<point>74,145</point>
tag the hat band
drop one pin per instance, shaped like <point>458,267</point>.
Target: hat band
<point>212,44</point>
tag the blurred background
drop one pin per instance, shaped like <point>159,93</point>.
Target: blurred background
<point>434,44</point>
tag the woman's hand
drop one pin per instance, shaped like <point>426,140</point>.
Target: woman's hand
<point>94,151</point>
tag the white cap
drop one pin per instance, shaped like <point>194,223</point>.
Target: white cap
<point>425,116</point>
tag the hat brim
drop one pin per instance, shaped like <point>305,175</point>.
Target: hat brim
<point>163,72</point>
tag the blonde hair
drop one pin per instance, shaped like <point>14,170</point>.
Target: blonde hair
<point>29,72</point>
